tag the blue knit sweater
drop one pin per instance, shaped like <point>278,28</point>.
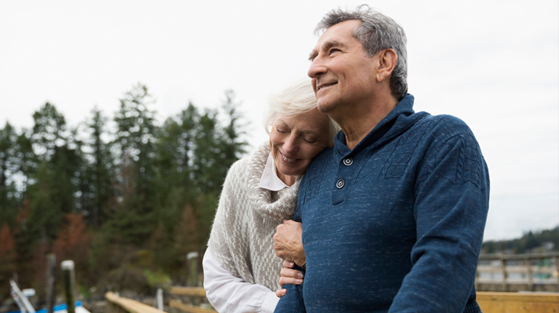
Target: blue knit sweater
<point>396,224</point>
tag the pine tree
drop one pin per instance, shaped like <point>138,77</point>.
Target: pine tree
<point>234,131</point>
<point>27,160</point>
<point>49,131</point>
<point>218,147</point>
<point>56,180</point>
<point>132,219</point>
<point>98,173</point>
<point>10,196</point>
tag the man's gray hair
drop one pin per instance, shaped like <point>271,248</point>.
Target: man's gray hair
<point>376,32</point>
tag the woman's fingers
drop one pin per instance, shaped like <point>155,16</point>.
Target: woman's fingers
<point>290,277</point>
<point>290,281</point>
<point>291,273</point>
<point>288,264</point>
<point>281,292</point>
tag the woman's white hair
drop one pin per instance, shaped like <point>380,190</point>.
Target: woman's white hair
<point>296,98</point>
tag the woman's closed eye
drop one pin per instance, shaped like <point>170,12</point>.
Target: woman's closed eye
<point>309,139</point>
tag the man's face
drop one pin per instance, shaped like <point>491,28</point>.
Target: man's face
<point>342,73</point>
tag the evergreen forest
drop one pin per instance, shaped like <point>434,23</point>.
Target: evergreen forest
<point>546,240</point>
<point>123,197</point>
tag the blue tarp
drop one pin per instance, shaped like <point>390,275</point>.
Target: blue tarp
<point>60,307</point>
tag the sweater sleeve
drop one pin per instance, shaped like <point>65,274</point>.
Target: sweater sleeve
<point>223,232</point>
<point>452,199</point>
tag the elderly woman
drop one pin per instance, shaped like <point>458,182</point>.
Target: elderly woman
<point>241,269</point>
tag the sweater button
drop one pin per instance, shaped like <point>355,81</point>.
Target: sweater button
<point>348,161</point>
<point>340,184</point>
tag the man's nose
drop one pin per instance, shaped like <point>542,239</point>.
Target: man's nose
<point>317,67</point>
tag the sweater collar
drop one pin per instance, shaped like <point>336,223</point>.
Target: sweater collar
<point>397,121</point>
<point>281,209</point>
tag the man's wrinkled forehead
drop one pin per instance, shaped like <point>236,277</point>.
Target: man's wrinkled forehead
<point>333,37</point>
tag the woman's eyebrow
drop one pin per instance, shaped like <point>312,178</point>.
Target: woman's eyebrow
<point>281,121</point>
<point>308,132</point>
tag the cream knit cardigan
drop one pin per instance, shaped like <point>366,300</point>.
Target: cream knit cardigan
<point>246,221</point>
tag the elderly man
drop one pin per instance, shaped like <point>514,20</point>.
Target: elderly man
<point>393,215</point>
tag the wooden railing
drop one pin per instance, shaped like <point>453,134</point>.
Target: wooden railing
<point>189,300</point>
<point>118,304</point>
<point>489,302</point>
<point>520,272</point>
<point>514,302</point>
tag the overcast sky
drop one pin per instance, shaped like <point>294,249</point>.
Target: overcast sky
<point>494,64</point>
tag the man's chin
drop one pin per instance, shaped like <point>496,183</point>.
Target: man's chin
<point>324,106</point>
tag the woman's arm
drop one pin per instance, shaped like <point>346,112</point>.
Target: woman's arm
<point>228,293</point>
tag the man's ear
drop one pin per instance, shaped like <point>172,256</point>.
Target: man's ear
<point>387,61</point>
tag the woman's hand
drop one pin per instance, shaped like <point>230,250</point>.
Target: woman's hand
<point>288,276</point>
<point>288,242</point>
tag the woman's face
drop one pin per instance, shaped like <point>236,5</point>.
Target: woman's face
<point>295,141</point>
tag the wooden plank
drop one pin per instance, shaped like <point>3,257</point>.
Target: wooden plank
<point>491,257</point>
<point>189,291</point>
<point>130,305</point>
<point>515,269</point>
<point>512,302</point>
<point>188,308</point>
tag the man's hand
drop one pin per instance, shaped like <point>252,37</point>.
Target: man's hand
<point>288,276</point>
<point>288,242</point>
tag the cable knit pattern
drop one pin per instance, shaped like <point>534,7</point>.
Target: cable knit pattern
<point>246,221</point>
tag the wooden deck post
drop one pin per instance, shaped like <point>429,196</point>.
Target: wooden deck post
<point>528,264</point>
<point>68,274</point>
<point>159,298</point>
<point>504,272</point>
<point>51,282</point>
<point>192,260</point>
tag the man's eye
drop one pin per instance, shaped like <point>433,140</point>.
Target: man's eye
<point>334,50</point>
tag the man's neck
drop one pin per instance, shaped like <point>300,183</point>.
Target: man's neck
<point>357,123</point>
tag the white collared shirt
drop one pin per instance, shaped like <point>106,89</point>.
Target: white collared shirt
<point>228,293</point>
<point>270,179</point>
